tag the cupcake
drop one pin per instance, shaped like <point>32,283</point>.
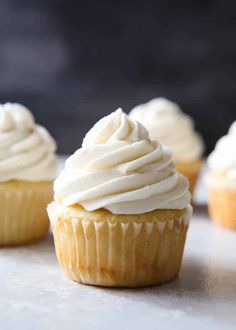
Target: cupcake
<point>168,124</point>
<point>121,210</point>
<point>27,169</point>
<point>221,180</point>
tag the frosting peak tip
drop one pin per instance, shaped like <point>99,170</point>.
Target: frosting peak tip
<point>119,110</point>
<point>117,126</point>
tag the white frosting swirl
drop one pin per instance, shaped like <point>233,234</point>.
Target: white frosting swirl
<point>168,124</point>
<point>118,168</point>
<point>223,157</point>
<point>27,151</point>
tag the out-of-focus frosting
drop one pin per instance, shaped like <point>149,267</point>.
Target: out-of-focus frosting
<point>27,151</point>
<point>223,157</point>
<point>168,124</point>
<point>120,169</point>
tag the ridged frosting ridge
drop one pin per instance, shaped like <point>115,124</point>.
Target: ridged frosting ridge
<point>27,151</point>
<point>120,169</point>
<point>223,157</point>
<point>168,124</point>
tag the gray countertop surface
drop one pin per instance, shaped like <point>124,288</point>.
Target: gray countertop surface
<point>35,294</point>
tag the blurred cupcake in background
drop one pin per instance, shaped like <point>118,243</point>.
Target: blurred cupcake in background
<point>121,209</point>
<point>168,124</point>
<point>221,180</point>
<point>27,169</point>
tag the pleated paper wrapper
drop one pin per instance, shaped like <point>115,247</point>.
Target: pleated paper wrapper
<point>222,201</point>
<point>112,252</point>
<point>23,216</point>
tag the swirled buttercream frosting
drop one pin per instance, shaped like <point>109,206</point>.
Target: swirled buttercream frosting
<point>27,151</point>
<point>120,169</point>
<point>168,124</point>
<point>223,157</point>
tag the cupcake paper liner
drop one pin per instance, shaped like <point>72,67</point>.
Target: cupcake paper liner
<point>119,253</point>
<point>23,213</point>
<point>222,201</point>
<point>191,171</point>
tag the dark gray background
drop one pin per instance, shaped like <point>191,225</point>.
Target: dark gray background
<point>72,62</point>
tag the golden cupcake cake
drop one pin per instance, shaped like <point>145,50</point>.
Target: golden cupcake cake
<point>121,211</point>
<point>221,180</point>
<point>27,170</point>
<point>168,124</point>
